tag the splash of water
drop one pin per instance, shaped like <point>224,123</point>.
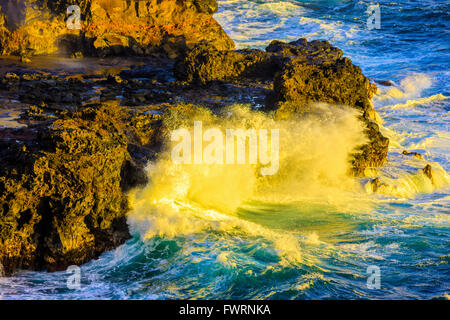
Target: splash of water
<point>314,162</point>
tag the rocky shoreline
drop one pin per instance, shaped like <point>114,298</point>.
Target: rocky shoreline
<point>87,127</point>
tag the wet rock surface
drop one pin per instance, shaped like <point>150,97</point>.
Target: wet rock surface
<point>87,129</point>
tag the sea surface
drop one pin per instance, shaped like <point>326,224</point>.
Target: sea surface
<point>312,232</point>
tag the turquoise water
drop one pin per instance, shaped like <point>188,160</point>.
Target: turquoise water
<point>310,239</point>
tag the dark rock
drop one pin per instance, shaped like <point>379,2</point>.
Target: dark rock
<point>132,176</point>
<point>173,46</point>
<point>10,81</point>
<point>375,184</point>
<point>313,51</point>
<point>386,83</point>
<point>52,93</point>
<point>205,63</point>
<point>206,6</point>
<point>428,171</point>
<point>413,154</point>
<point>61,199</point>
<point>114,79</point>
<point>113,27</point>
<point>77,55</point>
<point>304,80</point>
<point>320,74</point>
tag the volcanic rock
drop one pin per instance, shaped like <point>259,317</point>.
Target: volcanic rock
<point>303,73</point>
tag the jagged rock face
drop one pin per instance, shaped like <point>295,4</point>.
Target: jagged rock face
<point>373,154</point>
<point>303,73</point>
<point>61,198</point>
<point>316,50</point>
<point>317,72</point>
<point>338,82</point>
<point>109,27</point>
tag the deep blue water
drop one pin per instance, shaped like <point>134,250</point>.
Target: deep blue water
<point>312,247</point>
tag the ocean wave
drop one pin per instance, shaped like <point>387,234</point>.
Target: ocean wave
<point>314,28</point>
<point>313,161</point>
<point>411,86</point>
<point>407,94</point>
<point>403,183</point>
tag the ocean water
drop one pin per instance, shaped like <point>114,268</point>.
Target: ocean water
<point>310,232</point>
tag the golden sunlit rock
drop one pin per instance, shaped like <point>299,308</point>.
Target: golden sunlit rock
<point>109,27</point>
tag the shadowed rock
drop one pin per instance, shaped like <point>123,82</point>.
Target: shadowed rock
<point>205,63</point>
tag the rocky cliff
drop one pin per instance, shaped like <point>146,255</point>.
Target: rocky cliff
<point>108,27</point>
<point>62,191</point>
